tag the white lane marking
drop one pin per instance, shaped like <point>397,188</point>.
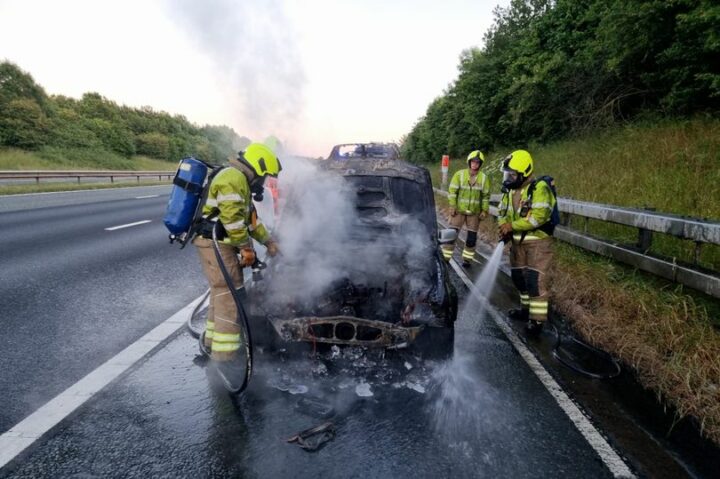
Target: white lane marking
<point>609,457</point>
<point>113,228</point>
<point>146,196</point>
<point>99,190</point>
<point>33,427</point>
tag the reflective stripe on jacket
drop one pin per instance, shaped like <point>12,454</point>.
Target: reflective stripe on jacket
<point>539,211</point>
<point>229,194</point>
<point>467,198</point>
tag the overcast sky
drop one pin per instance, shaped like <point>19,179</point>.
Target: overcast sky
<point>312,72</point>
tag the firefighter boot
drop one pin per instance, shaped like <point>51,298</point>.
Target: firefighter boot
<point>519,314</point>
<point>232,373</point>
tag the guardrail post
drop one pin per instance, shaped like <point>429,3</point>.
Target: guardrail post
<point>645,236</point>
<point>696,256</point>
<point>37,180</point>
<point>112,179</point>
<point>565,219</point>
<point>78,179</point>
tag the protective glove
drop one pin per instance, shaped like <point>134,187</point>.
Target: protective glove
<point>272,248</point>
<point>247,256</point>
<point>482,215</point>
<point>505,230</point>
<point>453,212</point>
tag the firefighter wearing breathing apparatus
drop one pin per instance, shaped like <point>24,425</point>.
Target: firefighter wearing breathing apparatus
<point>524,218</point>
<point>229,204</point>
<point>469,198</point>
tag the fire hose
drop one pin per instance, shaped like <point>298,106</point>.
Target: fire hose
<point>242,321</point>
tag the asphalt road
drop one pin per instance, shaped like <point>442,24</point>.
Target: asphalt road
<point>483,414</point>
<point>73,294</point>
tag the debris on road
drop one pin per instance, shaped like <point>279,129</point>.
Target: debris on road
<point>363,390</point>
<point>314,438</point>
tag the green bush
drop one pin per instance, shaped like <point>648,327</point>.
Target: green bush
<point>29,119</point>
<point>23,124</point>
<point>154,145</point>
<point>556,68</point>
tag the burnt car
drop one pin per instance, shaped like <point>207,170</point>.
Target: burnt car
<point>349,151</point>
<point>361,262</point>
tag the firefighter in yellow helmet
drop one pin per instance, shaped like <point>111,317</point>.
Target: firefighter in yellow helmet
<point>469,198</point>
<point>524,217</point>
<point>230,204</point>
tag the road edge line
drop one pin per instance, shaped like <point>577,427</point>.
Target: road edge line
<point>36,425</point>
<point>617,466</point>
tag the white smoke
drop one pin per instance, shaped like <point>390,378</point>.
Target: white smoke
<point>322,242</point>
<point>253,46</point>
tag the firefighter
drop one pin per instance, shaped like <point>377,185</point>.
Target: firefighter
<point>469,198</point>
<point>524,219</point>
<point>229,203</point>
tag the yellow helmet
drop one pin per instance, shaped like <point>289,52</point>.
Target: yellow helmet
<point>476,155</point>
<point>517,167</point>
<point>261,159</point>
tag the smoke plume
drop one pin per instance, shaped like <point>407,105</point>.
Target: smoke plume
<point>253,46</point>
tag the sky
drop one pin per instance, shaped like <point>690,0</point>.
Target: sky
<point>314,73</point>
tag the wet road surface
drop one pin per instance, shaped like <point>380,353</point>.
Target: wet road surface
<point>74,294</point>
<point>482,414</point>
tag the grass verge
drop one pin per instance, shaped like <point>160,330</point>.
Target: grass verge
<point>52,187</point>
<point>51,158</point>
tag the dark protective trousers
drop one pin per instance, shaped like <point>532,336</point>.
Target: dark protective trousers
<point>530,262</point>
<point>222,331</point>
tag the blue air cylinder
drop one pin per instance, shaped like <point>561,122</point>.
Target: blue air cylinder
<point>185,195</point>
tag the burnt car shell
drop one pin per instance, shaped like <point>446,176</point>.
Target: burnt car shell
<point>404,298</point>
<point>352,151</point>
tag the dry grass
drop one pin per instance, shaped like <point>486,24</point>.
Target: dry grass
<point>665,335</point>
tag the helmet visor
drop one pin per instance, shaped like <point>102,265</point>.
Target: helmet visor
<point>510,176</point>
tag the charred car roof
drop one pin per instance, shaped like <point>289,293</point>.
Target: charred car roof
<point>379,167</point>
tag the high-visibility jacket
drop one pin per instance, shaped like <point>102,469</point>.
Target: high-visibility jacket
<point>230,196</point>
<point>530,215</point>
<point>467,198</point>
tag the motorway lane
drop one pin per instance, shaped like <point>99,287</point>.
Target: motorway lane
<point>74,294</point>
<point>484,414</point>
<point>65,198</point>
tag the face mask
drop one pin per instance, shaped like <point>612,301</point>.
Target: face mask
<point>511,180</point>
<point>257,188</point>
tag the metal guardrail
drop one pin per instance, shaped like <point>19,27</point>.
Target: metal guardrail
<point>37,175</point>
<point>647,222</point>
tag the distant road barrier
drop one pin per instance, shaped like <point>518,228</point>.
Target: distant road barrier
<point>70,174</point>
<point>647,223</point>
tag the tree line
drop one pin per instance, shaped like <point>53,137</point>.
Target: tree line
<point>31,119</point>
<point>555,68</point>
